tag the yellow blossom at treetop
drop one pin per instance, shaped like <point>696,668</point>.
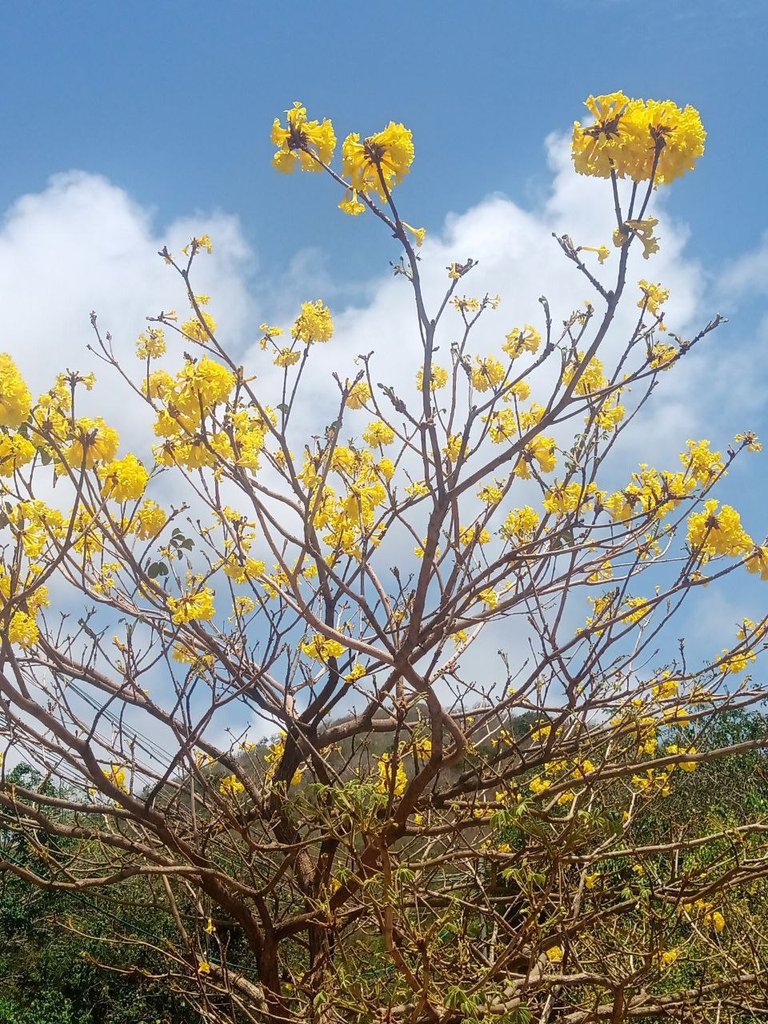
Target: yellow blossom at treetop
<point>358,395</point>
<point>522,339</point>
<point>637,139</point>
<point>653,297</point>
<point>712,532</point>
<point>302,140</point>
<point>151,343</point>
<point>379,162</point>
<point>663,140</point>
<point>487,373</point>
<point>124,479</point>
<point>597,147</point>
<point>314,323</point>
<point>15,399</point>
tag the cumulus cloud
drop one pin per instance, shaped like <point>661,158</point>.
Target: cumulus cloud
<point>83,244</point>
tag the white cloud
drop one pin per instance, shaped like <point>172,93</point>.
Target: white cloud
<point>84,244</point>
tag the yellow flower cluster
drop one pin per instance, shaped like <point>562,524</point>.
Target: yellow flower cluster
<point>374,165</point>
<point>520,524</point>
<point>314,323</point>
<point>189,399</point>
<point>273,759</point>
<point>230,785</point>
<point>308,143</point>
<point>712,532</point>
<point>637,139</point>
<point>562,499</point>
<point>321,648</point>
<point>124,479</point>
<point>392,778</point>
<point>15,399</point>
<point>192,606</point>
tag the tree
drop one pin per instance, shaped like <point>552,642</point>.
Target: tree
<point>431,833</point>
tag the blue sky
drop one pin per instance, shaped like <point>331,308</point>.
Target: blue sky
<point>173,101</point>
<point>172,104</point>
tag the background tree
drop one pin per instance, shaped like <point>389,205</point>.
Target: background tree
<point>432,834</point>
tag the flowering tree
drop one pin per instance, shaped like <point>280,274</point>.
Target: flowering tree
<point>410,843</point>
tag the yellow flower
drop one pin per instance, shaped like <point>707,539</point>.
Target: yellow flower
<point>15,399</point>
<point>603,252</point>
<point>230,785</point>
<point>591,377</point>
<point>23,630</point>
<point>151,343</point>
<point>93,442</point>
<point>438,378</point>
<point>377,434</point>
<point>124,479</point>
<point>358,395</point>
<point>192,606</point>
<point>15,453</point>
<point>491,494</point>
<point>637,139</point>
<point>380,161</point>
<point>474,535</point>
<point>713,532</point>
<point>350,204</point>
<point>322,648</point>
<point>520,524</point>
<point>596,149</point>
<point>308,141</point>
<point>542,450</point>
<point>487,373</point>
<point>555,954</point>
<point>116,775</point>
<point>564,498</point>
<point>668,957</point>
<point>521,339</point>
<point>200,327</point>
<point>662,134</point>
<point>314,323</point>
<point>644,231</point>
<point>286,357</point>
<point>653,297</point>
<point>388,782</point>
<point>419,234</point>
<point>702,464</point>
